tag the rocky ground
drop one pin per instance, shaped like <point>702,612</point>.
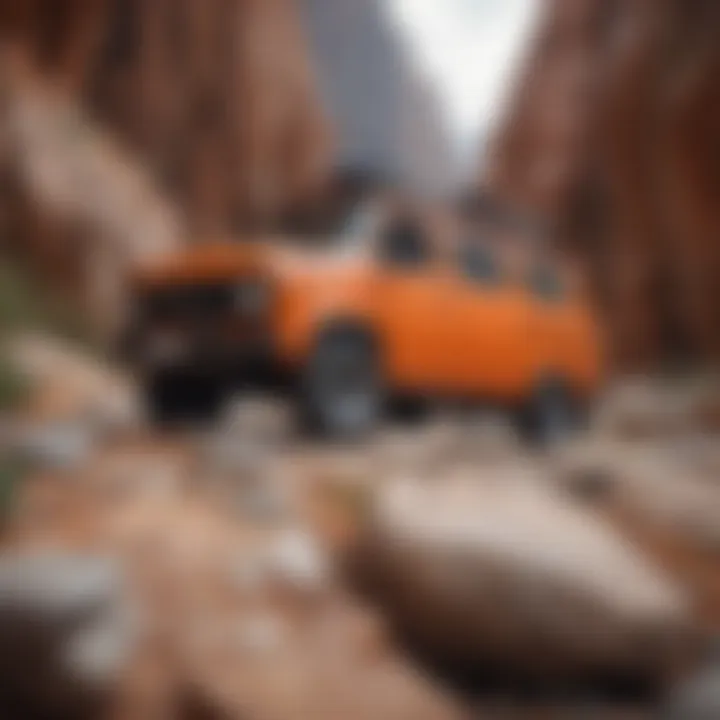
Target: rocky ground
<point>439,571</point>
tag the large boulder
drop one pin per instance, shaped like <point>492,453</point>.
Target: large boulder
<point>510,576</point>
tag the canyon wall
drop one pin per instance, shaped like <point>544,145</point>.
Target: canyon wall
<point>216,97</point>
<point>388,117</point>
<point>206,112</point>
<point>612,136</point>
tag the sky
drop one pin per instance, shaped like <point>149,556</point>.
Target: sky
<point>470,48</point>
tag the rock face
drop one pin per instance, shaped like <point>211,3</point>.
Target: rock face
<point>130,126</point>
<point>387,115</point>
<point>217,98</point>
<point>610,136</point>
<point>512,578</point>
<point>78,209</point>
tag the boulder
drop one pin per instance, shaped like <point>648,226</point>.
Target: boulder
<point>512,576</point>
<point>59,446</point>
<point>670,485</point>
<point>65,635</point>
<point>78,403</point>
<point>71,384</point>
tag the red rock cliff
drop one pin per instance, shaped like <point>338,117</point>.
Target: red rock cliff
<point>613,136</point>
<point>216,97</point>
<point>129,125</point>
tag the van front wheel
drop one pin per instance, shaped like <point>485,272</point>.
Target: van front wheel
<point>341,393</point>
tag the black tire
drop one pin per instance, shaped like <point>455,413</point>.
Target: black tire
<point>341,390</point>
<point>552,415</point>
<point>175,397</point>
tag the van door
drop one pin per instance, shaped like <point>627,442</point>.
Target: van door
<point>411,302</point>
<point>489,324</point>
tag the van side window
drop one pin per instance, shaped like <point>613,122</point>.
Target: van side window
<point>545,284</point>
<point>479,264</point>
<point>404,244</point>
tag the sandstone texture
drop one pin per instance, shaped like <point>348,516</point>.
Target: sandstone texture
<point>128,128</point>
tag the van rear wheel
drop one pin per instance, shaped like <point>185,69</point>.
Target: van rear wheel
<point>341,394</point>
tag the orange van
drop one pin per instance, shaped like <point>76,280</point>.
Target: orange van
<point>401,305</point>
